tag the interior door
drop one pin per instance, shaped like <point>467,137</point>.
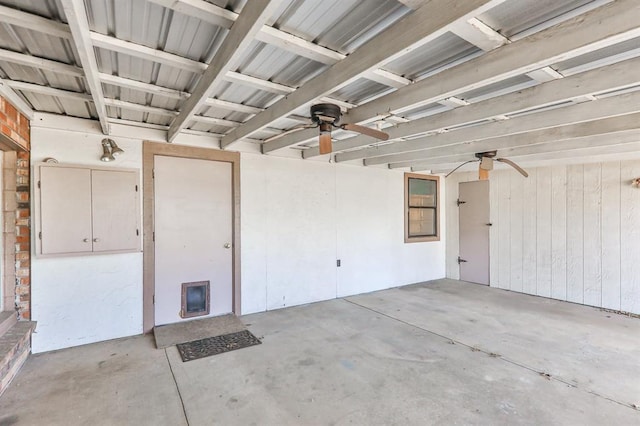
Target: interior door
<point>193,233</point>
<point>473,199</point>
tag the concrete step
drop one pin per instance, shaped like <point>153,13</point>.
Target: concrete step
<point>15,346</point>
<point>7,319</point>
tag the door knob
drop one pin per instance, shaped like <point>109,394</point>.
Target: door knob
<point>86,240</point>
<point>95,240</point>
<point>227,245</point>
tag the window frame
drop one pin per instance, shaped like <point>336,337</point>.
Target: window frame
<point>420,239</point>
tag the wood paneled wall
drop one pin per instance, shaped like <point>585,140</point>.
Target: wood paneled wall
<point>567,232</point>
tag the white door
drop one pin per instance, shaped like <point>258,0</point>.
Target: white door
<point>193,233</point>
<point>473,201</point>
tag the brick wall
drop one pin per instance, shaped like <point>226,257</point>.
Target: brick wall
<point>23,237</point>
<point>14,125</point>
<point>15,141</point>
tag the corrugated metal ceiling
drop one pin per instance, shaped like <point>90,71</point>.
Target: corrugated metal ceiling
<point>340,25</point>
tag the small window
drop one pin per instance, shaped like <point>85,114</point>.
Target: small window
<point>421,221</point>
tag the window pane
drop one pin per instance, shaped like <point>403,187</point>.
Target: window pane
<point>422,222</point>
<point>422,193</point>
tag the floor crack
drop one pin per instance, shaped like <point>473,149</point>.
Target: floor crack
<point>184,409</point>
<point>495,355</point>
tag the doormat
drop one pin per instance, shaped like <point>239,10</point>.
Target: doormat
<point>216,345</point>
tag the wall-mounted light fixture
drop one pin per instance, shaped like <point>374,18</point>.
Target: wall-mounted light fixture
<point>636,182</point>
<point>110,150</point>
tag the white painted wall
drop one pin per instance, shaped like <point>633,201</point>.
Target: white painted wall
<point>297,218</point>
<point>84,299</point>
<point>371,234</point>
<point>567,232</point>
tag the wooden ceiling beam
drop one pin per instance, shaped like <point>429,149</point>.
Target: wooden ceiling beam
<point>76,15</point>
<point>62,68</point>
<point>40,63</point>
<point>288,42</point>
<point>611,24</point>
<point>603,132</point>
<point>583,155</point>
<point>612,77</point>
<point>49,91</point>
<point>34,22</point>
<point>479,34</point>
<point>605,26</point>
<point>15,99</point>
<point>227,58</point>
<point>406,35</point>
<point>603,108</point>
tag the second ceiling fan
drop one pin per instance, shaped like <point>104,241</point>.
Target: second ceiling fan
<point>326,117</point>
<point>486,164</point>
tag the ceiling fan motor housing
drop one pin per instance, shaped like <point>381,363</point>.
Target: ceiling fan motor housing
<point>486,154</point>
<point>325,113</point>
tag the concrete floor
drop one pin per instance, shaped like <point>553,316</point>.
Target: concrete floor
<point>443,352</point>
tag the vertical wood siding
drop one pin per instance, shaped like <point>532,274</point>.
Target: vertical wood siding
<point>567,232</point>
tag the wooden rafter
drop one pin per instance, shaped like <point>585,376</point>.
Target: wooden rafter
<point>419,148</point>
<point>603,27</point>
<point>77,17</point>
<point>62,68</point>
<point>399,39</point>
<point>564,157</point>
<point>605,132</point>
<point>608,25</point>
<point>47,26</point>
<point>479,34</point>
<point>235,43</point>
<point>8,93</point>
<point>612,77</point>
<point>225,18</point>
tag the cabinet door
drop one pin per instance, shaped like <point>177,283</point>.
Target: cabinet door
<point>115,211</point>
<point>65,209</point>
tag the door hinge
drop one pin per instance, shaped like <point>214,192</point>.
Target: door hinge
<point>153,173</point>
<point>38,184</point>
<point>461,260</point>
<point>136,188</point>
<point>137,232</point>
<point>154,236</point>
<point>40,235</point>
<point>459,201</point>
<point>154,299</point>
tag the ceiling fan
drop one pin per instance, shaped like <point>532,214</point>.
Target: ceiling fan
<point>326,117</point>
<point>486,164</point>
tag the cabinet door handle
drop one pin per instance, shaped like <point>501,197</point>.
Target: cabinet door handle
<point>96,240</point>
<point>86,240</point>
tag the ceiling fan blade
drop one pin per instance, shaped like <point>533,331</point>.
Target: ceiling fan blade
<point>291,130</point>
<point>466,162</point>
<point>514,165</point>
<point>325,143</point>
<point>366,131</point>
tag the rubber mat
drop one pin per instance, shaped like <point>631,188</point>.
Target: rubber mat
<point>216,345</point>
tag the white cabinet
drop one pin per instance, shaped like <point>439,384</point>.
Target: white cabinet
<point>82,211</point>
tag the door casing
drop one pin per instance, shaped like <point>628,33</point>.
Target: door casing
<point>149,151</point>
